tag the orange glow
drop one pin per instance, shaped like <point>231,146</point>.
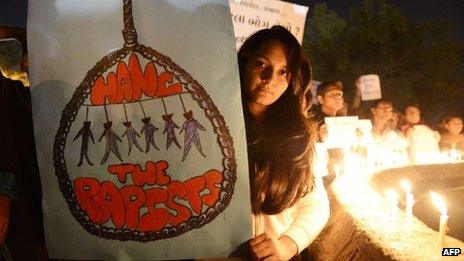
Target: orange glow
<point>439,202</point>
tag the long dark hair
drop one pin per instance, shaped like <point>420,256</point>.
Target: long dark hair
<point>280,149</point>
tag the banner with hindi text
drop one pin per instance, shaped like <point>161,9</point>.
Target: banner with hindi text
<point>249,16</point>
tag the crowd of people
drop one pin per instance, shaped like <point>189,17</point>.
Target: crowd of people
<point>403,133</point>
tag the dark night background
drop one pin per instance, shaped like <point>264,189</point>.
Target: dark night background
<point>14,13</point>
<point>419,10</point>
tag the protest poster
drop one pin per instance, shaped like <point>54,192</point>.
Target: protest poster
<point>370,87</point>
<point>341,131</point>
<point>249,16</point>
<point>365,126</point>
<point>139,129</point>
<point>313,88</point>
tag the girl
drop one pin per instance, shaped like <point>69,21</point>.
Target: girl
<point>290,206</point>
<point>423,141</point>
<point>411,117</point>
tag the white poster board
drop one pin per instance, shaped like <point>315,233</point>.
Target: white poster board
<point>370,87</point>
<point>249,16</point>
<point>341,131</point>
<point>313,89</point>
<point>141,155</point>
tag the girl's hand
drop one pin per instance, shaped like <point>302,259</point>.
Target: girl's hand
<point>263,247</point>
<point>358,88</point>
<point>323,132</point>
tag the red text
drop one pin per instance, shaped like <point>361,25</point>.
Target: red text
<point>129,83</point>
<point>144,206</point>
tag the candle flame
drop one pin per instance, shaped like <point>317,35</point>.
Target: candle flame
<point>439,202</point>
<point>406,186</point>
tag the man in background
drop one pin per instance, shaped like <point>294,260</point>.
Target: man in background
<point>389,148</point>
<point>330,100</point>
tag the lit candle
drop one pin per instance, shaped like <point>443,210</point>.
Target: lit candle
<point>441,204</point>
<point>337,170</point>
<point>454,155</point>
<point>392,198</point>
<point>409,197</point>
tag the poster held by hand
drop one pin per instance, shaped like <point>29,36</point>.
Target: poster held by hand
<point>104,196</point>
<point>341,131</point>
<point>370,87</point>
<point>313,88</point>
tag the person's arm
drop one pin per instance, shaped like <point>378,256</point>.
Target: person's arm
<point>264,247</point>
<point>323,132</point>
<point>312,213</point>
<point>7,194</point>
<point>356,103</point>
<point>409,134</point>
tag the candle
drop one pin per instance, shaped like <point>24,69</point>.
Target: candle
<point>337,170</point>
<point>455,155</point>
<point>392,198</point>
<point>441,204</point>
<point>409,197</point>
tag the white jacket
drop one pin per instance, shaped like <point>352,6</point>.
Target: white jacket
<point>302,223</point>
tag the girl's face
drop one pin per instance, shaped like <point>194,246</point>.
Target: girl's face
<point>412,115</point>
<point>266,76</point>
<point>454,126</point>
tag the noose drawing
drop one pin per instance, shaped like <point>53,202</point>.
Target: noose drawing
<point>132,48</point>
<point>111,139</point>
<point>169,128</point>
<point>149,130</point>
<point>131,133</point>
<point>190,128</point>
<point>86,135</point>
